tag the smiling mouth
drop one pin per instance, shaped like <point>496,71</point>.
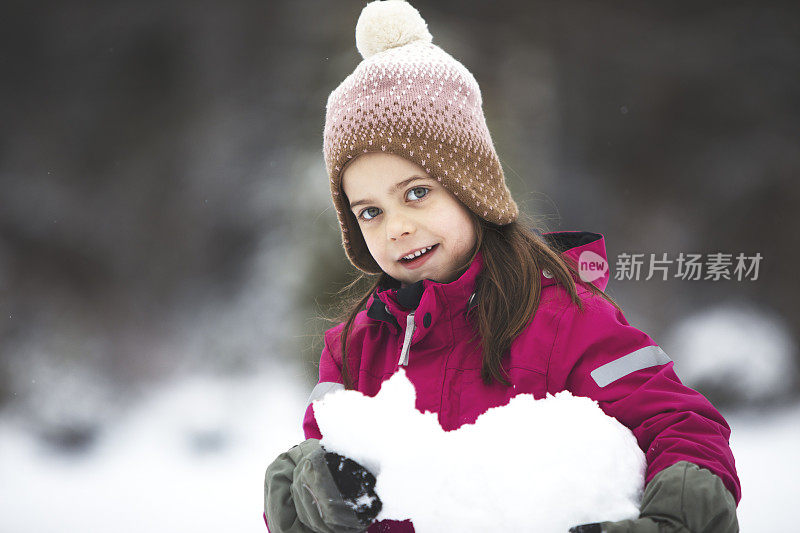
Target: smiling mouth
<point>419,258</point>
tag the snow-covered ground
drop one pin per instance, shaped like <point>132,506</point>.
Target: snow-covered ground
<point>192,459</point>
<point>765,446</point>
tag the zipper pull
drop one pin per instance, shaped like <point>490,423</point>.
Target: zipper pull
<point>407,339</point>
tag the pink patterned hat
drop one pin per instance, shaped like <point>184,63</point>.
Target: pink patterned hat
<point>410,98</point>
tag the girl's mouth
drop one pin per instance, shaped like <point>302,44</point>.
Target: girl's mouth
<point>419,260</point>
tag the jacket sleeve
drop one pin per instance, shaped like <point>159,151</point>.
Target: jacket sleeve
<point>330,379</point>
<point>597,354</point>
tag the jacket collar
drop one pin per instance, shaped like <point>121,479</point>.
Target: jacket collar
<point>392,300</point>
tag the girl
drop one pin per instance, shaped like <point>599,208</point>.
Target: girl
<point>475,305</point>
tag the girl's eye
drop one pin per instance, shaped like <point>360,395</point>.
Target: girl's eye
<point>371,212</point>
<point>365,214</point>
<point>419,192</point>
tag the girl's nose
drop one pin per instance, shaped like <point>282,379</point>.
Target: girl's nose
<point>399,226</point>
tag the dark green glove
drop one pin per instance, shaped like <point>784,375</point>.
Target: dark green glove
<point>302,495</point>
<point>681,498</point>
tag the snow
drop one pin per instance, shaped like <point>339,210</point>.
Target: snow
<point>146,472</point>
<point>189,459</point>
<point>747,351</point>
<point>765,445</point>
<point>562,452</point>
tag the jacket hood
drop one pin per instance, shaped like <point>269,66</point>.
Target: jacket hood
<point>586,249</point>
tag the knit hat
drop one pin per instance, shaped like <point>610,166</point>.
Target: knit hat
<point>410,98</point>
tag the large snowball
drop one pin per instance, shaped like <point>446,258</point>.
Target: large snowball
<point>532,465</point>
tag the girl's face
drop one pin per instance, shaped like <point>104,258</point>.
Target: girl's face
<point>402,210</point>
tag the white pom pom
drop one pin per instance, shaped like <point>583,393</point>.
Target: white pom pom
<point>389,24</point>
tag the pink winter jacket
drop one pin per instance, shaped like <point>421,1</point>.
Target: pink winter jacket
<point>593,353</point>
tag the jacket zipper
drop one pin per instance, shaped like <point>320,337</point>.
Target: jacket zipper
<point>407,339</point>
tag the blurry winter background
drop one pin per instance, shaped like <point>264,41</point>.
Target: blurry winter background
<point>167,243</point>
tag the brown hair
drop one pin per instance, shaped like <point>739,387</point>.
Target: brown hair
<point>509,287</point>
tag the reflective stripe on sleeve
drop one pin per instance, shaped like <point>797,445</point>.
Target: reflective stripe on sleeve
<point>322,389</point>
<point>628,364</point>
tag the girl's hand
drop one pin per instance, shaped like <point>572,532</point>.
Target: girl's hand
<point>682,497</point>
<point>309,490</point>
